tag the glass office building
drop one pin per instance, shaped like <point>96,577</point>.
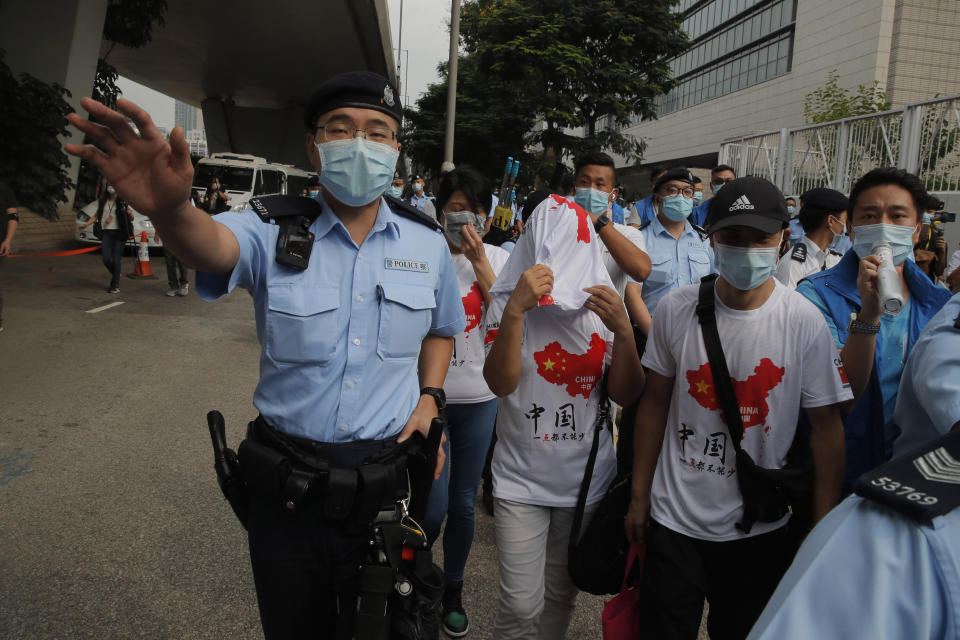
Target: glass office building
<point>752,62</point>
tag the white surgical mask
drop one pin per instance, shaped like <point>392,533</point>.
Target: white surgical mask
<point>455,221</point>
<point>746,268</point>
<point>898,236</point>
<point>356,171</point>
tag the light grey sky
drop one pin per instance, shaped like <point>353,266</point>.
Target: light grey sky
<point>425,37</point>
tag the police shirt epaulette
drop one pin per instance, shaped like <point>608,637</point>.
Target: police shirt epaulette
<point>410,212</point>
<point>922,485</point>
<point>272,207</point>
<point>835,252</point>
<point>799,252</point>
<point>700,231</point>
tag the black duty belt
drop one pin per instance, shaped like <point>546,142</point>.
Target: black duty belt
<point>288,469</point>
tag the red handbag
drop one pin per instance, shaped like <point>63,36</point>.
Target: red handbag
<point>621,615</point>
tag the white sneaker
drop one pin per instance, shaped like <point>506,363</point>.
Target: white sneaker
<point>184,290</point>
<point>171,292</point>
<point>113,290</point>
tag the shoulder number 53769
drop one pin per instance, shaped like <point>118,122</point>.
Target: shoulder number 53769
<point>888,484</point>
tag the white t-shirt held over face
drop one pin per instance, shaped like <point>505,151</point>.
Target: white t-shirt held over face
<point>781,358</point>
<point>545,427</point>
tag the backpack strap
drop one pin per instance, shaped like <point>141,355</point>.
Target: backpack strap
<point>603,421</point>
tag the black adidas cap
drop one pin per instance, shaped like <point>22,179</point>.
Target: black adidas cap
<point>749,202</point>
<point>363,89</point>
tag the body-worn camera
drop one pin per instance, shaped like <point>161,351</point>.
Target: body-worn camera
<point>295,242</point>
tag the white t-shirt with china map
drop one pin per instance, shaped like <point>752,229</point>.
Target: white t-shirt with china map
<point>545,427</point>
<point>464,382</point>
<point>781,358</point>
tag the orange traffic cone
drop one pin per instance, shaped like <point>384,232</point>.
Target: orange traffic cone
<point>142,268</point>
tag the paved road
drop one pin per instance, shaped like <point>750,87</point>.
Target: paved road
<point>111,523</point>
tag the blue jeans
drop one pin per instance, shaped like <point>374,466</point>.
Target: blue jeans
<point>469,428</point>
<point>112,254</point>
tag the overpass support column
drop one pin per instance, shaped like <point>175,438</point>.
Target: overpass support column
<point>56,41</point>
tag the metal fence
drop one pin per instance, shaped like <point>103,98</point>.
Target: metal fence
<point>923,138</point>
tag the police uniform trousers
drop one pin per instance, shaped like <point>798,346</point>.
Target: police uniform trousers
<point>306,569</point>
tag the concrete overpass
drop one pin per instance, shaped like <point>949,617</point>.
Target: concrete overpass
<point>248,64</point>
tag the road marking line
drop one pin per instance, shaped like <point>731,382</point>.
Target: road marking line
<point>104,307</point>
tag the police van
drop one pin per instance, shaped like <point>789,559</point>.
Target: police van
<point>243,176</point>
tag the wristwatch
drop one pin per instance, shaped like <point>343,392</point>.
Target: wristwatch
<point>438,396</point>
<point>857,326</point>
<point>602,221</point>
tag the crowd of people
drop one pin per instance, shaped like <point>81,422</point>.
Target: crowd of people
<point>735,335</point>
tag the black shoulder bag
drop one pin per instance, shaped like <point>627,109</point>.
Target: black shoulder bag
<point>768,494</point>
<point>597,560</point>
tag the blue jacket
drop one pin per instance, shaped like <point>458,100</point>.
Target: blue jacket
<point>837,288</point>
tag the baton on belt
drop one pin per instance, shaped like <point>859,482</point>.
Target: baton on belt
<point>227,466</point>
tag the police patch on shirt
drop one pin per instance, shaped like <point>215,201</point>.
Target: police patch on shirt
<point>398,264</point>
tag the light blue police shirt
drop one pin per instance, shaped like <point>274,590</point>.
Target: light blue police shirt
<point>928,404</point>
<point>420,201</point>
<point>868,572</point>
<point>675,262</point>
<point>340,341</point>
<point>796,231</point>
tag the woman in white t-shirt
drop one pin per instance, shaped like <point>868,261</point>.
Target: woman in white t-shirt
<point>471,407</point>
<point>554,325</point>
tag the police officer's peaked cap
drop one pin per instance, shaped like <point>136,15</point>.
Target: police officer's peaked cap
<point>362,89</point>
<point>824,199</point>
<point>683,175</point>
<point>750,202</point>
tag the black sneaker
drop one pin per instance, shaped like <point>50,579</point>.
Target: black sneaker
<point>455,623</point>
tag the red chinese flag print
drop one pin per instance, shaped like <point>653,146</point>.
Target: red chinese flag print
<point>751,393</point>
<point>579,373</point>
<point>701,387</point>
<point>583,218</point>
<point>545,300</point>
<point>842,371</point>
<point>473,307</point>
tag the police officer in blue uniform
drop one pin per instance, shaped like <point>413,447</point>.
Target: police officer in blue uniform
<point>679,251</point>
<point>356,305</point>
<point>885,564</point>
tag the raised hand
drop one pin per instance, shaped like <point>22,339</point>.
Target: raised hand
<point>608,305</point>
<point>150,173</point>
<point>532,285</point>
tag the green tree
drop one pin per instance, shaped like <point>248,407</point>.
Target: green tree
<point>488,127</point>
<point>31,159</point>
<point>833,102</point>
<point>577,64</point>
